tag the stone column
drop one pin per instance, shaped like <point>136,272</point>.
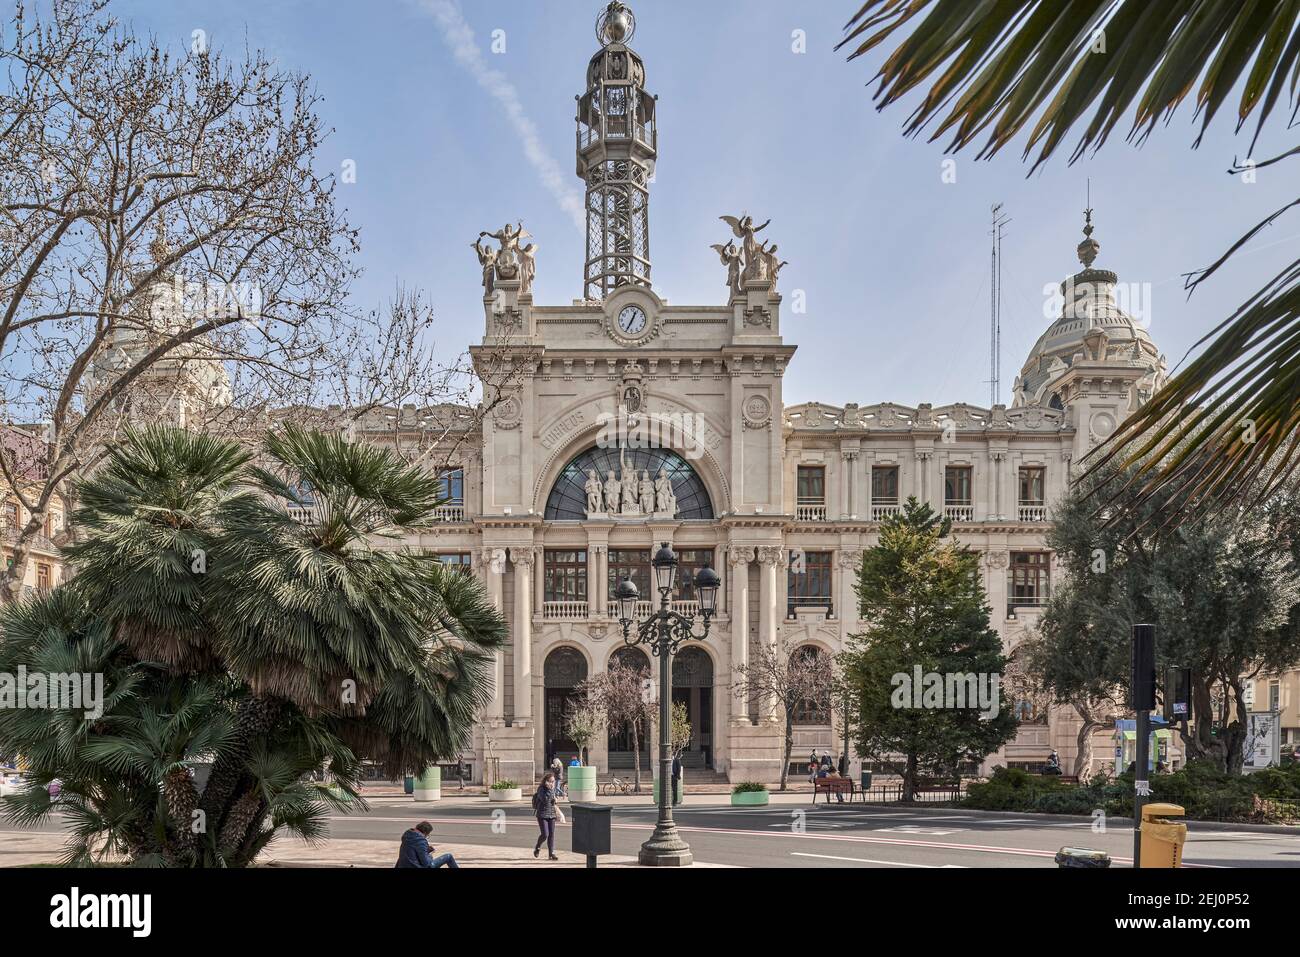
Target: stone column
<point>738,561</point>
<point>772,561</point>
<point>522,558</point>
<point>999,502</point>
<point>849,560</point>
<point>491,567</point>
<point>851,481</point>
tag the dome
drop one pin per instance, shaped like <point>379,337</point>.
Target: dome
<point>616,64</point>
<point>1088,304</point>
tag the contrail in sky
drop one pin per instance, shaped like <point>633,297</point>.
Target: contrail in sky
<point>459,37</point>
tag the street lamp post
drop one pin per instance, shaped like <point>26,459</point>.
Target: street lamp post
<point>662,632</point>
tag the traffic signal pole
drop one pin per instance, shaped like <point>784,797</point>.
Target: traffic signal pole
<point>1142,698</point>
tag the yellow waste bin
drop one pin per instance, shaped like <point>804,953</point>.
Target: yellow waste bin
<point>1162,840</point>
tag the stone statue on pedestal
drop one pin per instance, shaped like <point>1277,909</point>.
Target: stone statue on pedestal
<point>612,487</point>
<point>665,499</point>
<point>647,493</point>
<point>594,493</point>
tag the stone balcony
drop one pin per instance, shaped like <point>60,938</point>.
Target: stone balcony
<point>960,511</point>
<point>1031,512</point>
<point>810,511</point>
<point>882,510</point>
<point>582,611</point>
<point>449,513</point>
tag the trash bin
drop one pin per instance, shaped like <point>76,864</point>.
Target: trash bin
<point>866,780</point>
<point>1162,840</point>
<point>408,784</point>
<point>1082,857</point>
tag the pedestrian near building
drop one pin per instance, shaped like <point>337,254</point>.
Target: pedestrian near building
<point>677,778</point>
<point>557,768</point>
<point>547,813</point>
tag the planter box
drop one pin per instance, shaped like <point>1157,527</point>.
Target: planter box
<point>750,799</point>
<point>505,795</point>
<point>581,783</point>
<point>428,786</point>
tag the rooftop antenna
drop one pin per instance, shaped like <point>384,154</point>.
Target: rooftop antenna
<point>995,305</point>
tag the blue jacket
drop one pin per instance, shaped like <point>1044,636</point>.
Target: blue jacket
<point>415,850</point>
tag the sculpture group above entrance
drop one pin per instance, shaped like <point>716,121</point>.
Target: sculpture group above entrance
<point>624,484</point>
<point>627,496</point>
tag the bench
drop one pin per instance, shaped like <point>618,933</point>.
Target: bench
<point>829,786</point>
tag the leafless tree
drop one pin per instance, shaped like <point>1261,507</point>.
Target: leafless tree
<point>170,248</point>
<point>782,677</point>
<point>620,695</point>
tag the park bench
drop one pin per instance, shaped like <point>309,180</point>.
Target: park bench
<point>829,786</point>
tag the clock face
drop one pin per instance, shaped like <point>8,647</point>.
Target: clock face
<point>631,320</point>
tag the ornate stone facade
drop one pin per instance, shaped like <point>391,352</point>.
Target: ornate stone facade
<point>635,422</point>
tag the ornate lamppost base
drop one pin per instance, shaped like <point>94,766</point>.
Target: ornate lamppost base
<point>665,850</point>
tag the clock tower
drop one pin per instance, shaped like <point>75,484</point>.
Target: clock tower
<point>616,152</point>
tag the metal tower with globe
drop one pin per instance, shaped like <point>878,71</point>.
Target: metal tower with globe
<point>616,152</point>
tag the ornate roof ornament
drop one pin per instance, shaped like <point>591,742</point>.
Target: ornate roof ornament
<point>1089,248</point>
<point>616,24</point>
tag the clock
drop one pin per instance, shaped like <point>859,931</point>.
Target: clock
<point>631,320</point>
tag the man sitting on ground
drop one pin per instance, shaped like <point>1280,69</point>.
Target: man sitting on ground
<point>415,850</point>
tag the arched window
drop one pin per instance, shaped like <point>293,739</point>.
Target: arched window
<point>808,711</point>
<point>568,498</point>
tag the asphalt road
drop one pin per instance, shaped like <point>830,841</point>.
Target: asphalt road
<point>799,835</point>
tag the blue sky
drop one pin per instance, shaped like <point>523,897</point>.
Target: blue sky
<point>894,262</point>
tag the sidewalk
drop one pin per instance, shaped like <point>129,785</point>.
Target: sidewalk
<point>33,848</point>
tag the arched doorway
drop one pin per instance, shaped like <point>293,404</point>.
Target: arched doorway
<point>620,739</point>
<point>693,686</point>
<point>564,669</point>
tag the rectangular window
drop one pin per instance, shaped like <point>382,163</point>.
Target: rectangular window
<point>811,485</point>
<point>565,575</point>
<point>633,563</point>
<point>11,514</point>
<point>42,577</point>
<point>452,491</point>
<point>455,559</point>
<point>884,484</point>
<point>1028,578</point>
<point>1032,485</point>
<point>809,582</point>
<point>956,485</point>
<point>689,562</point>
<point>1274,696</point>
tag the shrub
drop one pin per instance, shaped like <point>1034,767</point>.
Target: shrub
<point>748,787</point>
<point>504,786</point>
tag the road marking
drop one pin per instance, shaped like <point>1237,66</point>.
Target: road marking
<point>867,860</point>
<point>914,829</point>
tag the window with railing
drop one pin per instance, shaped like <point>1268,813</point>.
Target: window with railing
<point>809,582</point>
<point>1028,579</point>
<point>1033,488</point>
<point>633,563</point>
<point>957,502</point>
<point>689,563</point>
<point>451,495</point>
<point>564,583</point>
<point>810,493</point>
<point>884,491</point>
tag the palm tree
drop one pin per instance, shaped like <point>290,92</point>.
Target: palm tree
<point>1224,428</point>
<point>257,617</point>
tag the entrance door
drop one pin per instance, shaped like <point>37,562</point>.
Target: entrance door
<point>565,668</point>
<point>693,686</point>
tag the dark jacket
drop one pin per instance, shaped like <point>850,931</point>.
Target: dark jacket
<point>415,850</point>
<point>544,803</point>
<point>677,768</point>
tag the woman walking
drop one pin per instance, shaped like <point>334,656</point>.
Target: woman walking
<point>545,809</point>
